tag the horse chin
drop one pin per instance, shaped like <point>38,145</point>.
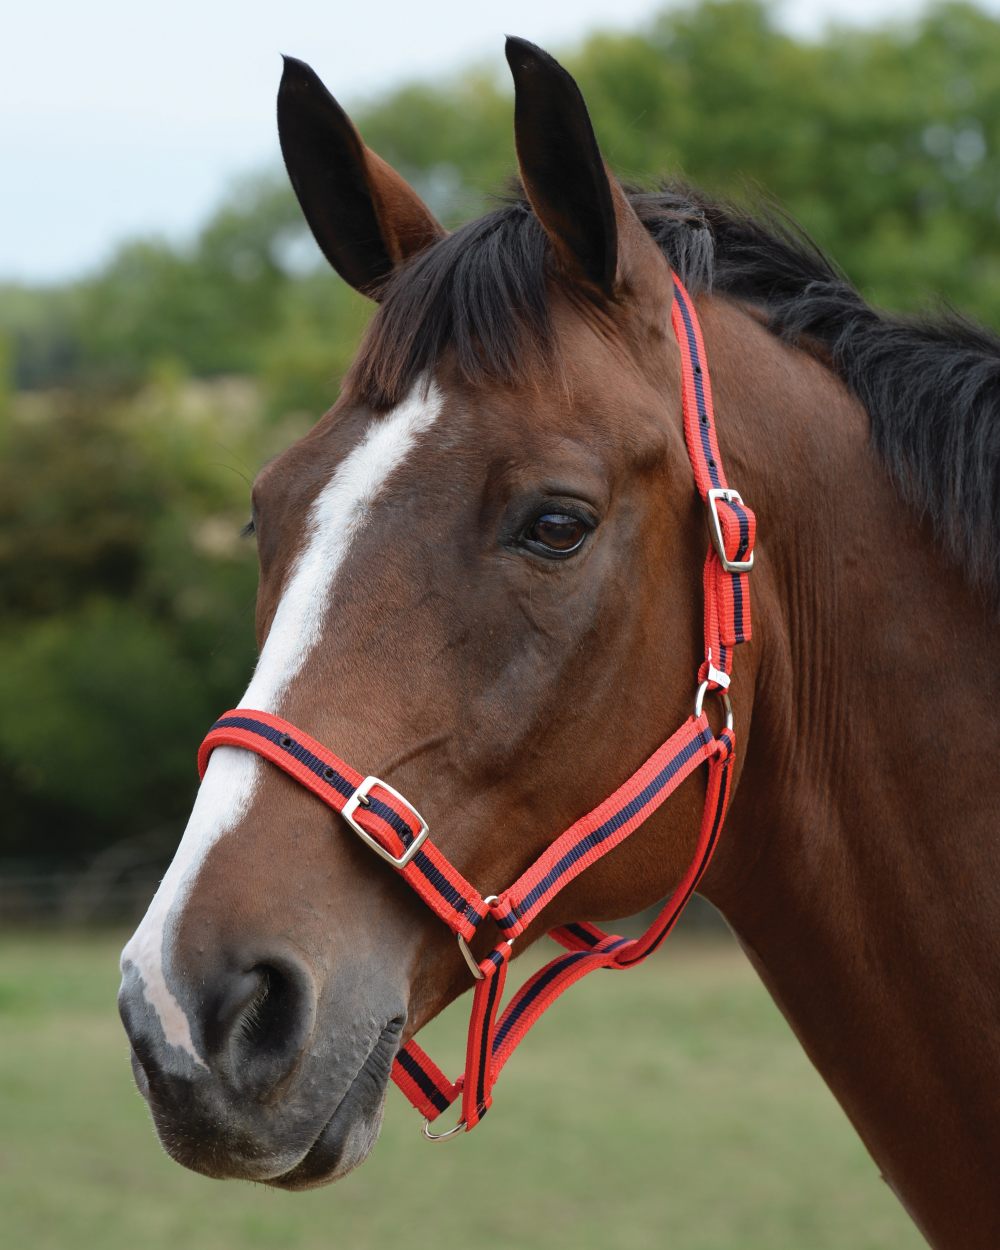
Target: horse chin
<point>349,1135</point>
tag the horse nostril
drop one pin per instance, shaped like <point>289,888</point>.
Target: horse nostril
<point>260,1025</point>
<point>261,1022</point>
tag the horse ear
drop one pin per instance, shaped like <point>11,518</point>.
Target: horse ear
<point>364,216</point>
<point>563,172</point>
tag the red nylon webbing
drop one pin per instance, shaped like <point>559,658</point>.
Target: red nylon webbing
<point>578,848</point>
<point>430,873</point>
<point>539,993</point>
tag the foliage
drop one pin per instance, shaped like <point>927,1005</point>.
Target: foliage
<point>136,403</point>
<point>127,596</point>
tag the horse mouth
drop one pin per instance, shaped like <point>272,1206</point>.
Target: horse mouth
<point>344,1141</point>
<point>347,1138</point>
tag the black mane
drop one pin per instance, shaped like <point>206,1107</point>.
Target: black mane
<point>931,387</point>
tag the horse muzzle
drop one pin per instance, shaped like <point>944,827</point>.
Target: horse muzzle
<point>279,1085</point>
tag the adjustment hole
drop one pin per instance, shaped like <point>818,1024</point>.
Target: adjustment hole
<point>286,742</point>
<point>328,774</point>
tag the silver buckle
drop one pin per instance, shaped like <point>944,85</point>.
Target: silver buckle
<point>358,799</point>
<point>715,525</point>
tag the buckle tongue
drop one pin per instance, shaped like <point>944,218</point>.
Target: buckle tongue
<point>715,526</point>
<point>360,798</point>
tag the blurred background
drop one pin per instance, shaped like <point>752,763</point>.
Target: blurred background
<point>166,325</point>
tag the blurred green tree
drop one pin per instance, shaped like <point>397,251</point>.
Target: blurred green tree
<point>127,600</point>
<point>882,141</point>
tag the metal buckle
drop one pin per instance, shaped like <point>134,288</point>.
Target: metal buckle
<point>360,799</point>
<point>727,703</point>
<point>715,526</point>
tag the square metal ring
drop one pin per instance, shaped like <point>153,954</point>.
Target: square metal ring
<point>355,801</point>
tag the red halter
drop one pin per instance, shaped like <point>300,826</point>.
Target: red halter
<point>394,829</point>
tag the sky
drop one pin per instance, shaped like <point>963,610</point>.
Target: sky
<point>120,119</point>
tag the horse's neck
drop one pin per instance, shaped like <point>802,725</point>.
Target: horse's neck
<point>859,867</point>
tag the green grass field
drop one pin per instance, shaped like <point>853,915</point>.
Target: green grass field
<point>667,1108</point>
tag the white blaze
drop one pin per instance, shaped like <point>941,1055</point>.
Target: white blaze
<point>338,514</point>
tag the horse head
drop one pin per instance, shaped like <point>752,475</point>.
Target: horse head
<point>480,581</point>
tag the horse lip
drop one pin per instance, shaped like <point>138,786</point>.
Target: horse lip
<point>321,1162</point>
<point>139,1074</point>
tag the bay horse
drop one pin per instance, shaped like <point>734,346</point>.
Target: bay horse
<point>480,578</point>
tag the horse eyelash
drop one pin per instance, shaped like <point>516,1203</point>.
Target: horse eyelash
<point>249,529</point>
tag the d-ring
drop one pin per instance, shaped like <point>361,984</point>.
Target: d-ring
<point>470,959</point>
<point>442,1136</point>
<point>467,954</point>
<point>727,703</point>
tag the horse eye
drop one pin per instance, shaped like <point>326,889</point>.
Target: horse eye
<point>556,534</point>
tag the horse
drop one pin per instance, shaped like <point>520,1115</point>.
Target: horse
<point>480,580</point>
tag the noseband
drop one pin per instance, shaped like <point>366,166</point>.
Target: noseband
<point>394,829</point>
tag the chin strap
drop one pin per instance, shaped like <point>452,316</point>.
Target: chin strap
<point>392,827</point>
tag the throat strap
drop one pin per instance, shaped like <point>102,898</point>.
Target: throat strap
<point>393,828</point>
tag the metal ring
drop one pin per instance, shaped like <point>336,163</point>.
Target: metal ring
<point>727,703</point>
<point>442,1136</point>
<point>470,959</point>
<point>467,954</point>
